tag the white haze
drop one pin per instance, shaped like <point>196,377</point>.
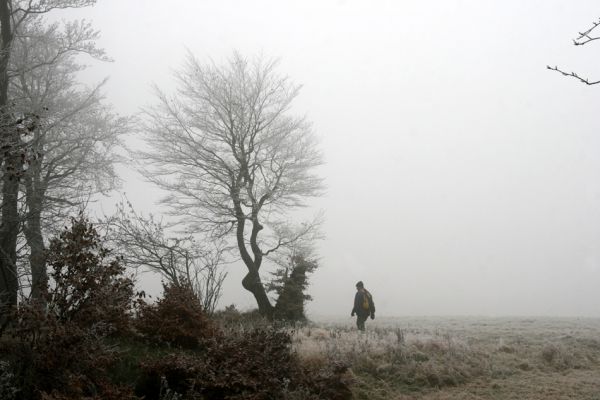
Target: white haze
<point>463,177</point>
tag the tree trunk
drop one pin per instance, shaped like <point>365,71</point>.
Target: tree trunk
<point>8,238</point>
<point>251,281</point>
<point>9,140</point>
<point>35,241</point>
<point>37,259</point>
<point>253,284</point>
<point>7,38</point>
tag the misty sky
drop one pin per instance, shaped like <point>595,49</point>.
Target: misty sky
<point>463,177</point>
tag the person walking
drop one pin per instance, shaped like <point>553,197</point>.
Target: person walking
<point>363,306</point>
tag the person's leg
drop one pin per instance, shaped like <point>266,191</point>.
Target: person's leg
<point>360,321</point>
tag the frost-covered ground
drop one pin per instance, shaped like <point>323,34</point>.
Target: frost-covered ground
<point>462,357</point>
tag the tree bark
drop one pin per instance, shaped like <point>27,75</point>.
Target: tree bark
<point>7,38</point>
<point>33,234</point>
<point>37,259</point>
<point>8,238</point>
<point>253,284</point>
<point>11,163</point>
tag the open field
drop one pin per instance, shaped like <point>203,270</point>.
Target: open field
<point>462,358</point>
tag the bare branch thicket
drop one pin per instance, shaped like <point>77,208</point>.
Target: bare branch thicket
<point>144,244</point>
<point>73,148</point>
<point>14,14</point>
<point>294,237</point>
<point>232,157</point>
<point>583,38</point>
<point>22,10</point>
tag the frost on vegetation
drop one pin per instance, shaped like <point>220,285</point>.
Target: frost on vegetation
<point>393,355</point>
<point>433,353</point>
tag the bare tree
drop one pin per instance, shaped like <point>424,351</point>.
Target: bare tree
<point>583,38</point>
<point>233,158</point>
<point>14,13</point>
<point>73,147</point>
<point>144,243</point>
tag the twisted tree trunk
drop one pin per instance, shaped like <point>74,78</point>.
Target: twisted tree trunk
<point>251,281</point>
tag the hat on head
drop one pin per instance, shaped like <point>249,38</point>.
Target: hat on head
<point>360,284</point>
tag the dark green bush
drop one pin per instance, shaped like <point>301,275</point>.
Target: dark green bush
<point>289,283</point>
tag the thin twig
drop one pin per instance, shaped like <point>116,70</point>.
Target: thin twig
<point>574,75</point>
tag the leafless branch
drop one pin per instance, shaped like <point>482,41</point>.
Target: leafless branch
<point>574,75</point>
<point>145,244</point>
<point>583,38</point>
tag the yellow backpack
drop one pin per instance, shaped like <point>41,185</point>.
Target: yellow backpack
<point>366,300</point>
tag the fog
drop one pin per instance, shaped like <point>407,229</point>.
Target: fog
<point>463,177</point>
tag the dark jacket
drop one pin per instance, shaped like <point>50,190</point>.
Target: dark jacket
<point>359,300</point>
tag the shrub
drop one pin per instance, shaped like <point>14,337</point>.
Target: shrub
<point>231,367</point>
<point>560,358</point>
<point>89,288</point>
<point>64,352</point>
<point>289,283</point>
<point>57,358</point>
<point>550,353</point>
<point>251,365</point>
<point>60,353</point>
<point>232,320</point>
<point>330,381</point>
<point>177,319</point>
